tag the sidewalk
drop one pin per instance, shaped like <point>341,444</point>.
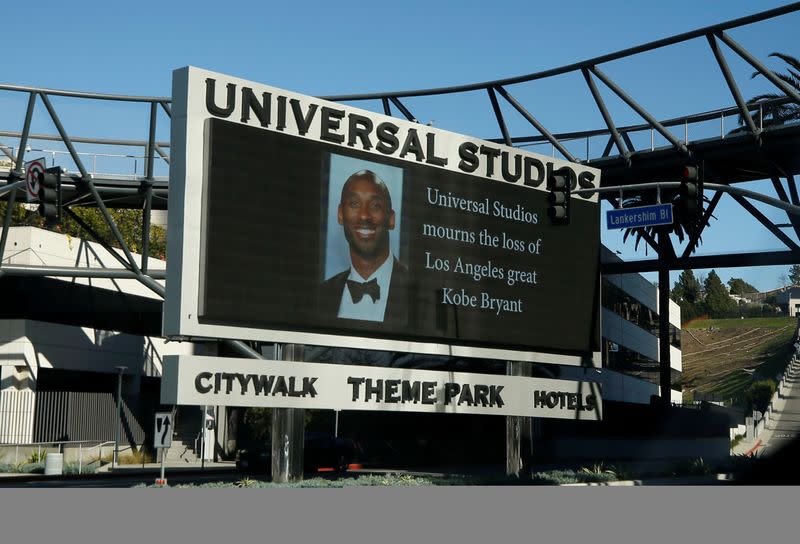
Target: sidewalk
<point>173,467</point>
<point>753,446</point>
<point>749,447</point>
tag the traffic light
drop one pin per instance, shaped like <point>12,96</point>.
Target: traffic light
<point>691,197</point>
<point>50,194</point>
<point>559,185</point>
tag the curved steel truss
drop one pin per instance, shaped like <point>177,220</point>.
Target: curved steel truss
<point>755,150</point>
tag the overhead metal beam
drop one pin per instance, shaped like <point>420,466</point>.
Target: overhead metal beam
<point>77,272</point>
<point>150,148</point>
<point>790,208</point>
<point>532,120</point>
<point>64,136</point>
<point>499,116</point>
<point>147,187</point>
<point>767,258</point>
<point>601,105</point>
<point>96,237</point>
<point>6,151</point>
<point>9,187</point>
<point>243,349</point>
<point>23,141</point>
<point>7,223</point>
<point>627,129</point>
<point>769,225</point>
<point>793,219</point>
<point>166,107</point>
<point>695,237</point>
<point>792,189</point>
<point>628,142</point>
<point>640,110</point>
<point>83,94</point>
<point>609,146</point>
<point>762,69</point>
<point>399,105</point>
<point>82,139</point>
<point>649,46</point>
<point>737,96</point>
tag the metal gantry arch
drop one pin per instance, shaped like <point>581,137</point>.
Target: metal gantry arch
<point>755,151</point>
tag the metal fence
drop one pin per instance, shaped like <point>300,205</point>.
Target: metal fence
<point>16,416</point>
<point>70,415</point>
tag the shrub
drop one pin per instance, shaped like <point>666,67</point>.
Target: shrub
<point>37,456</point>
<point>72,468</point>
<point>760,393</point>
<point>736,439</point>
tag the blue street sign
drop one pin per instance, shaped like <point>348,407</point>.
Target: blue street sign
<point>642,216</point>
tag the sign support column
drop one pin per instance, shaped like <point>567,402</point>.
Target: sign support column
<point>288,426</point>
<point>162,439</point>
<point>519,432</point>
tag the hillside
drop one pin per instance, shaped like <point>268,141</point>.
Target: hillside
<point>721,357</point>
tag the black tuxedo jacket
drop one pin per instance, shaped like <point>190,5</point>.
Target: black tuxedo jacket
<point>330,296</point>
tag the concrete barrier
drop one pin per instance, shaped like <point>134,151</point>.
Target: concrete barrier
<point>54,464</point>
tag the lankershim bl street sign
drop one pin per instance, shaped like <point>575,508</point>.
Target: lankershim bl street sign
<point>640,216</point>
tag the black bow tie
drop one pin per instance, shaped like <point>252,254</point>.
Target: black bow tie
<point>359,289</point>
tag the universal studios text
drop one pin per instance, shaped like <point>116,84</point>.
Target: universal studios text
<point>301,116</point>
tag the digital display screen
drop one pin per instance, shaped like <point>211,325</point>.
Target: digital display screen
<point>306,235</point>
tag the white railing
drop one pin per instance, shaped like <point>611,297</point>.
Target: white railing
<point>93,156</point>
<point>82,447</point>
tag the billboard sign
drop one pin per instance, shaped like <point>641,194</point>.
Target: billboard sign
<point>225,381</point>
<point>293,219</point>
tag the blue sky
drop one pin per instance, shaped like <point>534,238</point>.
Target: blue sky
<point>328,48</point>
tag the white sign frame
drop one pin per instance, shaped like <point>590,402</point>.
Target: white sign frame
<point>225,381</point>
<point>184,238</point>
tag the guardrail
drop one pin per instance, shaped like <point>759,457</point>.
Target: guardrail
<point>137,162</point>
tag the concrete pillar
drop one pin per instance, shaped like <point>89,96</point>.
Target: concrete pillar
<point>288,426</point>
<point>519,432</point>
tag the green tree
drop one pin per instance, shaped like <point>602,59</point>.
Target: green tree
<point>686,288</point>
<point>794,274</point>
<point>760,393</point>
<point>688,294</point>
<point>738,286</point>
<point>718,302</point>
<point>129,222</point>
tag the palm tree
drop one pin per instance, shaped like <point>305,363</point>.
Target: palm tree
<point>646,198</point>
<point>778,114</point>
<point>771,114</point>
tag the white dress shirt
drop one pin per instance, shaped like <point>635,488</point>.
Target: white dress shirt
<point>366,309</point>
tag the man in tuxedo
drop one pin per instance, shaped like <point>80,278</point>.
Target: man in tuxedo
<point>375,287</point>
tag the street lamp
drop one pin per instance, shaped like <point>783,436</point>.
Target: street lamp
<point>121,370</point>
